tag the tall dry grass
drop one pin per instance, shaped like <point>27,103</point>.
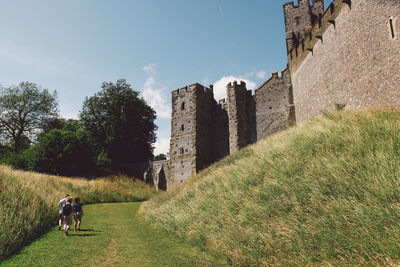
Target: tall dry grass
<point>325,193</point>
<point>28,201</point>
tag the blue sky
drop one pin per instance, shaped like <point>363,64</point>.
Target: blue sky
<point>156,45</point>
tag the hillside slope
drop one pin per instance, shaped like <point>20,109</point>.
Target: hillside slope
<point>326,192</point>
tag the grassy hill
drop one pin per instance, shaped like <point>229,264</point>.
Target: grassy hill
<point>28,201</point>
<point>327,192</point>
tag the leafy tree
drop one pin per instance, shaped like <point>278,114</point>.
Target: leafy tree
<point>24,109</point>
<point>160,157</point>
<point>62,151</point>
<point>121,123</point>
<point>60,123</point>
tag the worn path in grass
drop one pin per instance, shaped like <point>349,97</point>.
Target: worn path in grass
<point>113,235</point>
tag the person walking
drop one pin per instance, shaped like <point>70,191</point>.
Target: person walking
<point>78,213</point>
<point>67,212</point>
<point>61,204</point>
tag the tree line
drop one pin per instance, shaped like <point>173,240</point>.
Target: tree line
<point>115,127</point>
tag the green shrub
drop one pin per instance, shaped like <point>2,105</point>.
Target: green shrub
<point>339,106</point>
<point>17,161</point>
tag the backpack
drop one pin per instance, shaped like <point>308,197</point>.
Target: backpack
<point>67,209</point>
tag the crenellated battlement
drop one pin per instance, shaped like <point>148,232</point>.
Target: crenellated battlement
<point>275,76</point>
<point>299,19</point>
<point>300,3</point>
<point>235,84</point>
<point>191,88</point>
<point>306,45</point>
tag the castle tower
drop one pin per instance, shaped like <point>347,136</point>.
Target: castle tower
<point>300,19</point>
<point>317,9</point>
<point>237,97</point>
<point>190,131</point>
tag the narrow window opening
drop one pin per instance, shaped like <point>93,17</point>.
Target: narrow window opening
<point>182,127</point>
<point>297,21</point>
<point>182,151</point>
<point>391,28</point>
<point>183,106</point>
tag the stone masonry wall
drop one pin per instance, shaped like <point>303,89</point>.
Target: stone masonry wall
<point>251,118</point>
<point>318,8</point>
<point>183,134</point>
<point>299,20</point>
<point>203,131</point>
<point>356,61</point>
<point>237,114</point>
<point>205,107</point>
<point>157,174</point>
<point>273,104</point>
<point>221,130</point>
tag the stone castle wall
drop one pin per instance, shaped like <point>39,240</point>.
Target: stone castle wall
<point>273,104</point>
<point>157,174</point>
<point>183,134</point>
<point>354,62</point>
<point>237,114</point>
<point>347,54</point>
<point>205,107</point>
<point>300,19</point>
<point>221,132</point>
<point>205,131</point>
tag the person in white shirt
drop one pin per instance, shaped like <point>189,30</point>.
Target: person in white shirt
<point>60,213</point>
<point>68,214</point>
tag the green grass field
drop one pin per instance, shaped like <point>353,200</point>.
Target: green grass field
<point>28,201</point>
<point>114,235</point>
<point>324,193</point>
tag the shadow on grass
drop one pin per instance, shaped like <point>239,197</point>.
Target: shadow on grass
<point>89,230</point>
<point>76,235</point>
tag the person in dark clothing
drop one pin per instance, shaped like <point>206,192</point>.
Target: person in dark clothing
<point>78,213</point>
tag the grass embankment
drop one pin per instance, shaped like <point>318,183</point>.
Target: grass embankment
<point>28,201</point>
<point>327,192</point>
<point>113,235</point>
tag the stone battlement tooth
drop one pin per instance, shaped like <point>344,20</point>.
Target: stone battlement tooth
<point>305,46</point>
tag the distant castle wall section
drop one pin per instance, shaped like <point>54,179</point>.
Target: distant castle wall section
<point>221,128</point>
<point>273,104</point>
<point>157,174</point>
<point>354,61</point>
<point>240,116</point>
<point>251,118</point>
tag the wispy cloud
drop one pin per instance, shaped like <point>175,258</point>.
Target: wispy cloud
<point>220,85</point>
<point>221,11</point>
<point>261,74</point>
<point>150,68</point>
<point>154,95</point>
<point>247,75</point>
<point>161,146</point>
<point>156,98</point>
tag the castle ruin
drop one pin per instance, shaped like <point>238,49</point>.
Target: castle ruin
<point>347,54</point>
